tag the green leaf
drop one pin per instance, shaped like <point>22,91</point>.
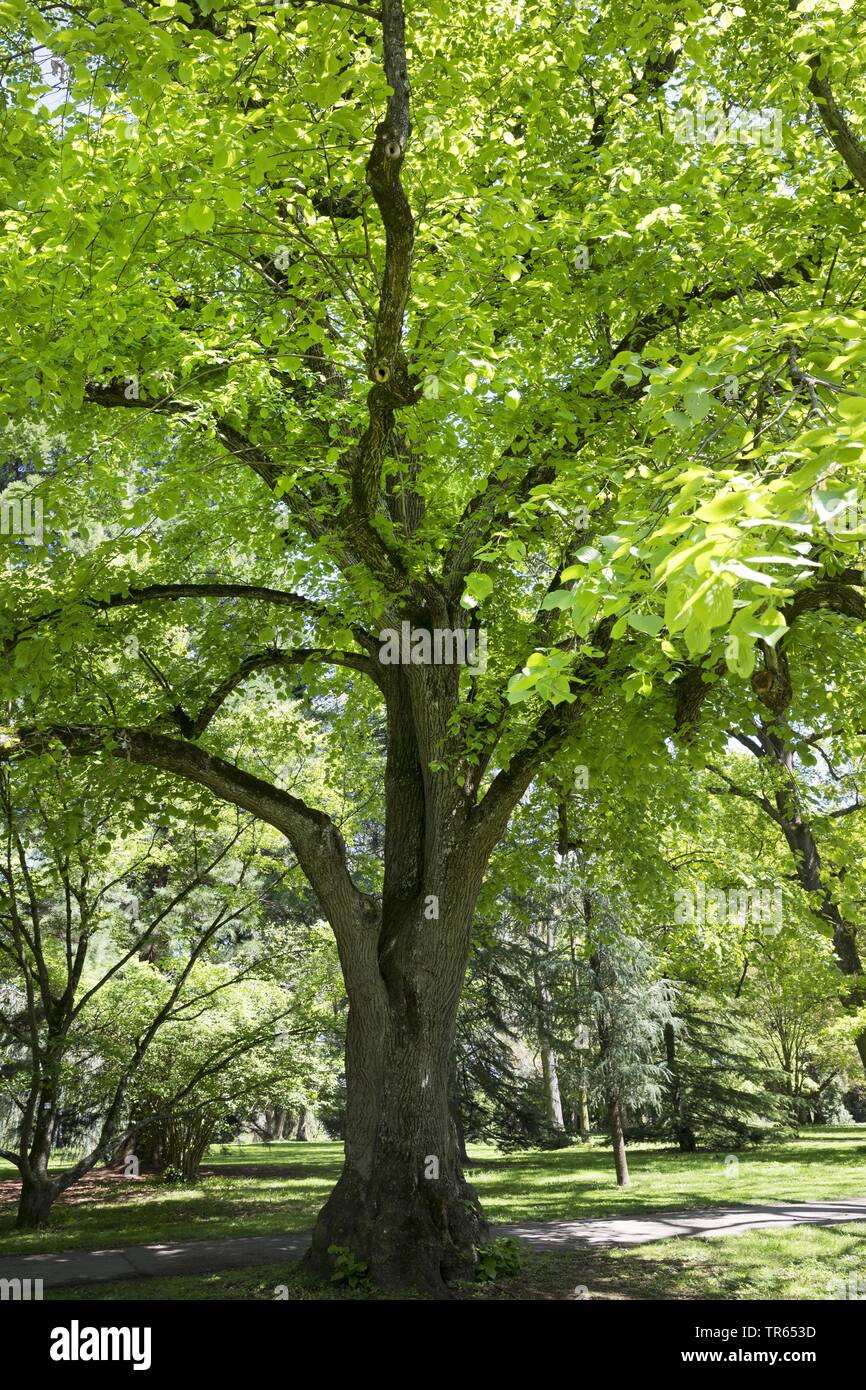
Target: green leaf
<point>723,506</point>
<point>698,402</point>
<point>650,623</point>
<point>559,598</point>
<point>715,604</point>
<point>201,216</point>
<point>851,408</point>
<point>478,588</point>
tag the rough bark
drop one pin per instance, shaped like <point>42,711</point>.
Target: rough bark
<point>38,1194</point>
<point>402,1204</point>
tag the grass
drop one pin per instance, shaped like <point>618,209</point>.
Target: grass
<point>802,1263</point>
<point>565,1184</point>
<point>796,1264</point>
<point>138,1212</point>
<point>576,1183</point>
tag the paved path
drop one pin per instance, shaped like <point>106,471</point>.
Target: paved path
<point>202,1256</point>
<point>181,1257</point>
<point>715,1221</point>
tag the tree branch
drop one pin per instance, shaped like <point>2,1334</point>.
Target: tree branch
<point>317,843</point>
<point>845,142</point>
<point>262,661</point>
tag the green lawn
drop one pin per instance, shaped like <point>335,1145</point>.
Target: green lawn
<point>568,1183</point>
<point>136,1212</point>
<point>793,1264</point>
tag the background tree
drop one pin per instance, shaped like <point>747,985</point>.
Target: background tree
<point>86,1005</point>
<point>632,1008</point>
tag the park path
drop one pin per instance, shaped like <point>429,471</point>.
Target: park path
<point>238,1252</point>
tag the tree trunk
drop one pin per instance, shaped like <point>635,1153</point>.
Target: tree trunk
<point>583,1112</point>
<point>683,1132</point>
<point>309,1128</point>
<point>618,1140</point>
<point>582,1107</point>
<point>614,1106</point>
<point>38,1194</point>
<point>122,1153</point>
<point>402,1205</point>
<point>147,1140</point>
<point>544,942</point>
<point>553,1099</point>
<point>844,933</point>
<point>798,832</point>
<point>38,1191</point>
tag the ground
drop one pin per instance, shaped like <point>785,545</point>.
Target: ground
<point>272,1189</point>
<point>798,1264</point>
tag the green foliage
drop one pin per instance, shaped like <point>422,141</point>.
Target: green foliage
<point>722,1092</point>
<point>602,394</point>
<point>349,1272</point>
<point>500,1259</point>
<point>631,1007</point>
<point>168,1004</point>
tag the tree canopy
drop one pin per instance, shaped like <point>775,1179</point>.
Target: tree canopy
<point>539,325</point>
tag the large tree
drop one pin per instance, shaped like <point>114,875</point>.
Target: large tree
<point>298,357</point>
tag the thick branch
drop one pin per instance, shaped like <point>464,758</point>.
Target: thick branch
<point>386,363</point>
<point>845,142</point>
<point>316,841</point>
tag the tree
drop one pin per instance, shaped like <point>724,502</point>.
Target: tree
<point>803,812</point>
<point>462,389</point>
<point>720,1086</point>
<point>231,1043</point>
<point>632,1009</point>
<point>508,1017</point>
<point>795,998</point>
<point>73,1047</point>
